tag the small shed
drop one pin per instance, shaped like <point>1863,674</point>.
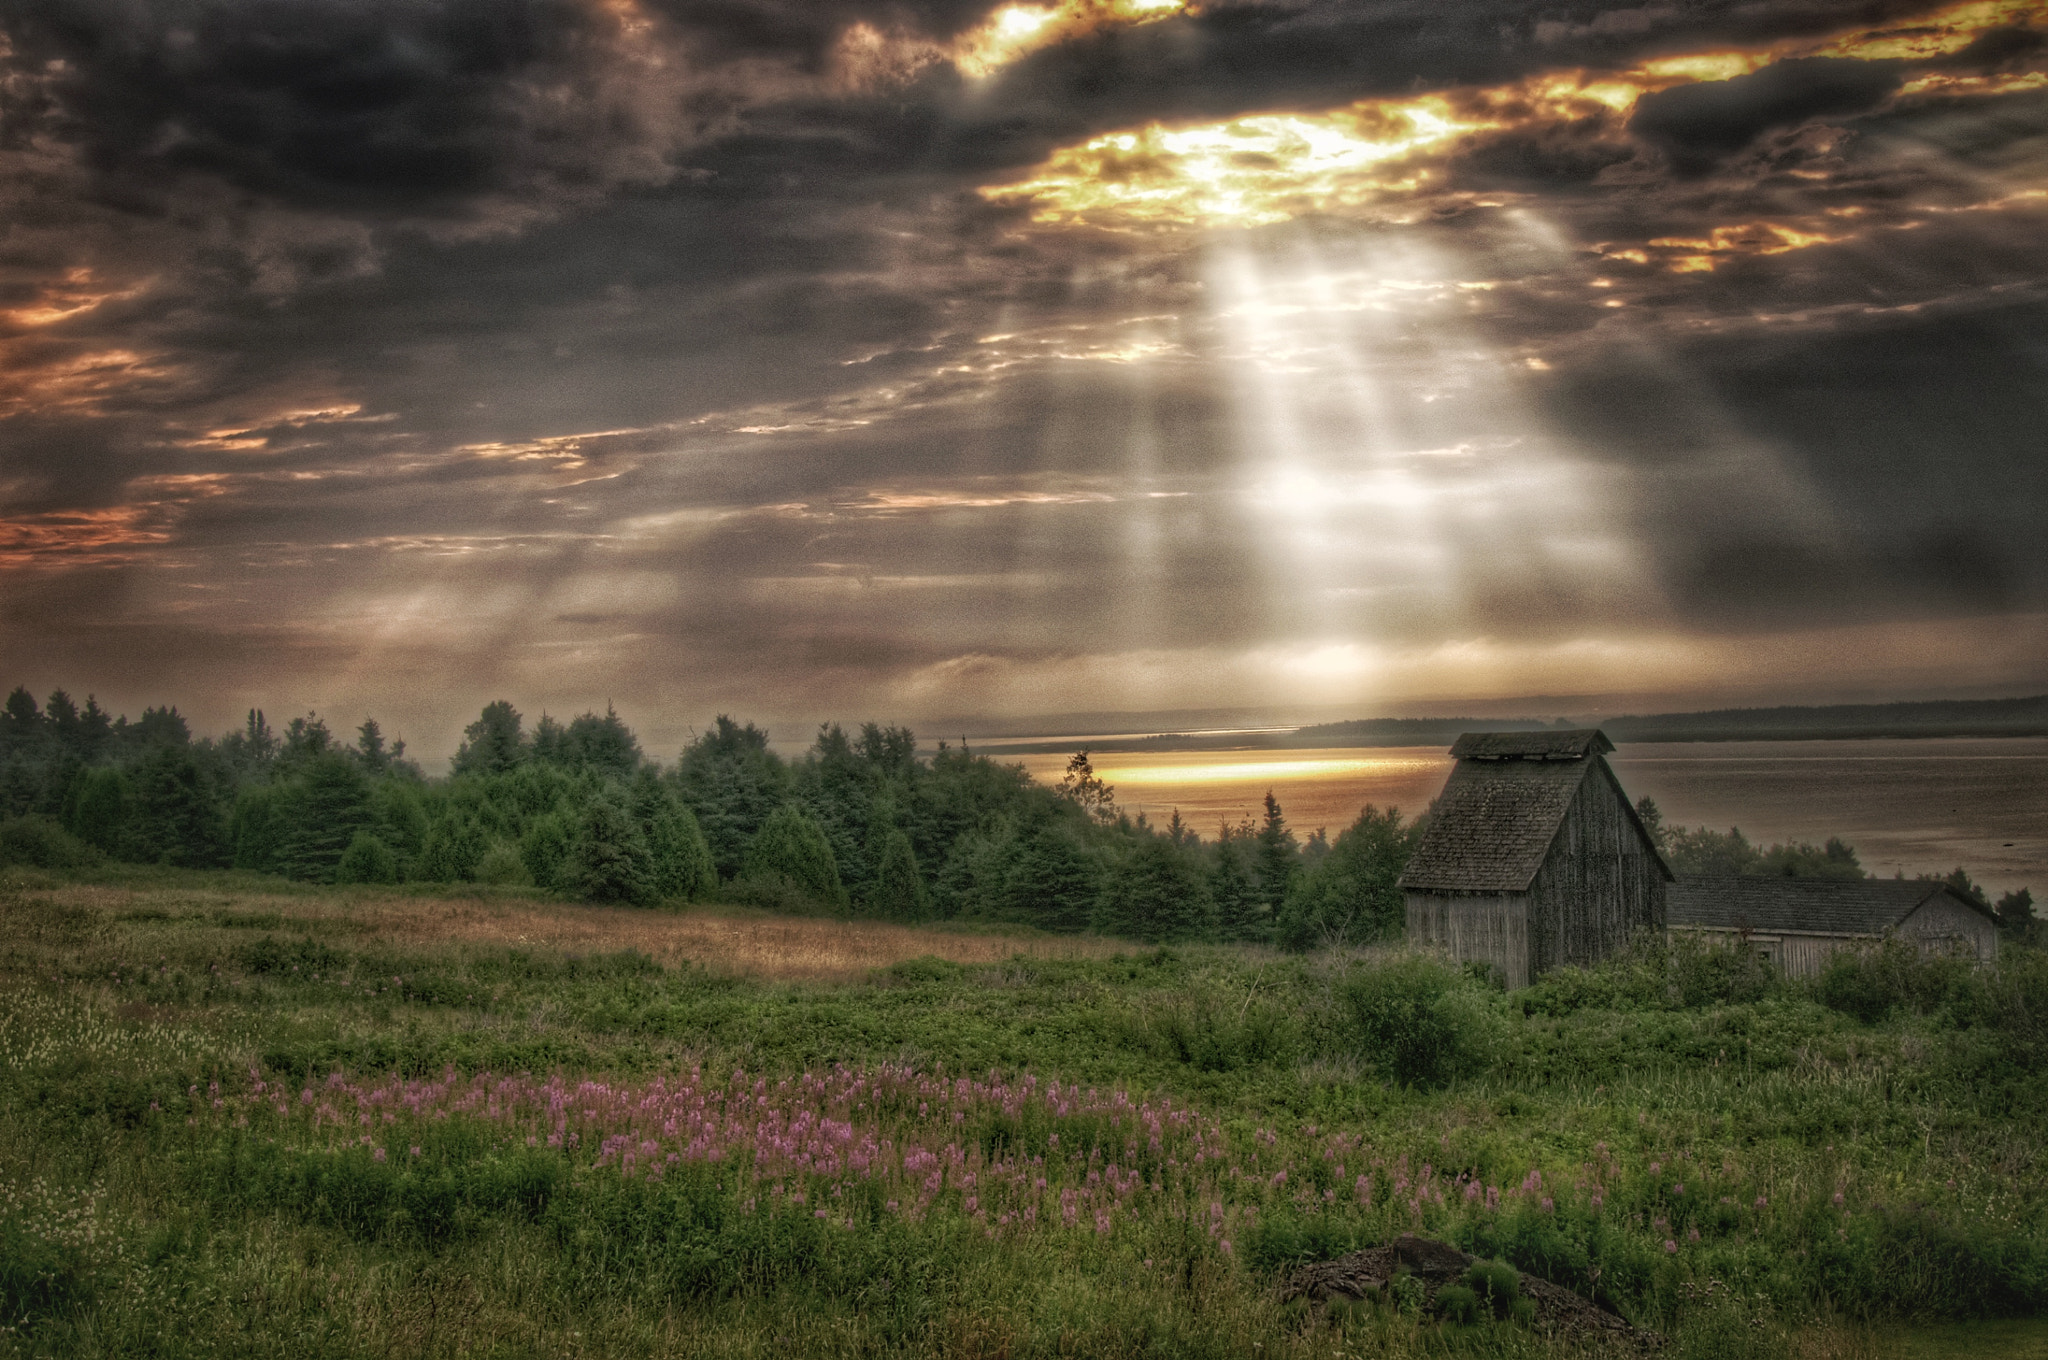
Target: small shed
<point>1798,922</point>
<point>1533,856</point>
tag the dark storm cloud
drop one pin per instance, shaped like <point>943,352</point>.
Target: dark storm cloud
<point>474,343</point>
<point>1699,125</point>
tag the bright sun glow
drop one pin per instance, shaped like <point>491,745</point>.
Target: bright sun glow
<point>1382,156</point>
<point>1016,31</point>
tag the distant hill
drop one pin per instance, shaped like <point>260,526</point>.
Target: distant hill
<point>1931,718</point>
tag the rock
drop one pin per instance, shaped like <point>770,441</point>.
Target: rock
<point>1560,1312</point>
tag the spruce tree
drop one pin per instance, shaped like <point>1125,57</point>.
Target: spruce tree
<point>329,804</point>
<point>680,860</point>
<point>1277,859</point>
<point>1156,893</point>
<point>609,861</point>
<point>790,851</point>
<point>898,892</point>
<point>1052,882</point>
<point>1240,912</point>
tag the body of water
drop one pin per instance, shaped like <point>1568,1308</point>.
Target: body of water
<point>1912,806</point>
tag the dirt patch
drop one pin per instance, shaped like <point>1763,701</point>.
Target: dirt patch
<point>1370,1274</point>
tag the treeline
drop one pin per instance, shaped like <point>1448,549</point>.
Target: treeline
<point>861,823</point>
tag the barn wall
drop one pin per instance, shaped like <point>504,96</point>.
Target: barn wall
<point>1795,955</point>
<point>1945,925</point>
<point>1600,884</point>
<point>1486,929</point>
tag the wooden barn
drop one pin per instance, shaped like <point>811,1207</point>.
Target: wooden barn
<point>1533,857</point>
<point>1798,922</point>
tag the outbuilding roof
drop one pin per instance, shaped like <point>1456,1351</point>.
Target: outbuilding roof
<point>1560,744</point>
<point>1814,906</point>
<point>1493,824</point>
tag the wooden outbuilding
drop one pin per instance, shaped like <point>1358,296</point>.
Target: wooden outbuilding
<point>1798,922</point>
<point>1533,857</point>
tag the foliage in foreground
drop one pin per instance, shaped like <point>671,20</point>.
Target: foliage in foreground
<point>1081,1157</point>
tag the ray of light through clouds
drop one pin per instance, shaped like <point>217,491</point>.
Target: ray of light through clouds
<point>929,358</point>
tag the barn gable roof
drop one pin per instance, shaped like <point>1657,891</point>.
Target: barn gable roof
<point>1814,906</point>
<point>1553,744</point>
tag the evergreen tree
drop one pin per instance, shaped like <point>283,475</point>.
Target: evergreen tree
<point>178,816</point>
<point>370,748</point>
<point>259,827</point>
<point>21,722</point>
<point>971,881</point>
<point>1156,893</point>
<point>898,892</point>
<point>791,851</point>
<point>98,807</point>
<point>329,803</point>
<point>1351,897</point>
<point>680,861</point>
<point>605,745</point>
<point>1276,859</point>
<point>1240,912</point>
<point>1052,882</point>
<point>609,861</point>
<point>732,782</point>
<point>493,743</point>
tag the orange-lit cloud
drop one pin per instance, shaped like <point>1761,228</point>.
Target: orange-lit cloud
<point>1387,157</point>
<point>1017,30</point>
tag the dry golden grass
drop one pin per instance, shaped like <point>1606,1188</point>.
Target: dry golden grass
<point>723,939</point>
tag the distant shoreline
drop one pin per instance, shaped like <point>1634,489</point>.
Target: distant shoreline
<point>1964,718</point>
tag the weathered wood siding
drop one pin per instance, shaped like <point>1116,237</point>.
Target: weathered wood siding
<point>1943,925</point>
<point>1486,929</point>
<point>1600,884</point>
<point>1940,927</point>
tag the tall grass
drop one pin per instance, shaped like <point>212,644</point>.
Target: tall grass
<point>252,1124</point>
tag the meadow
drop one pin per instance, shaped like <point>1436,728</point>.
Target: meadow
<point>242,1116</point>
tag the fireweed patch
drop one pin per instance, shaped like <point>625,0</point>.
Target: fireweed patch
<point>724,1183</point>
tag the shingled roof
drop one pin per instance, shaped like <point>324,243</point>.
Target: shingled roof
<point>1574,744</point>
<point>1814,906</point>
<point>1491,827</point>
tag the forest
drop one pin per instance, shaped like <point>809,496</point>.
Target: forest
<point>861,824</point>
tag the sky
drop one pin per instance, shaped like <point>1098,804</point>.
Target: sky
<point>924,360</point>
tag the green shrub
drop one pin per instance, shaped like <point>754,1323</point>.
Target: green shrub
<point>39,843</point>
<point>1418,1021</point>
<point>501,864</point>
<point>544,849</point>
<point>1871,982</point>
<point>367,860</point>
<point>1461,1305</point>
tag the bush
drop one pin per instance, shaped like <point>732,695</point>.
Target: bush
<point>1870,983</point>
<point>502,865</point>
<point>544,849</point>
<point>367,860</point>
<point>1418,1021</point>
<point>39,843</point>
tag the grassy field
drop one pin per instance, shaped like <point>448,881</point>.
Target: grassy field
<point>244,1118</point>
